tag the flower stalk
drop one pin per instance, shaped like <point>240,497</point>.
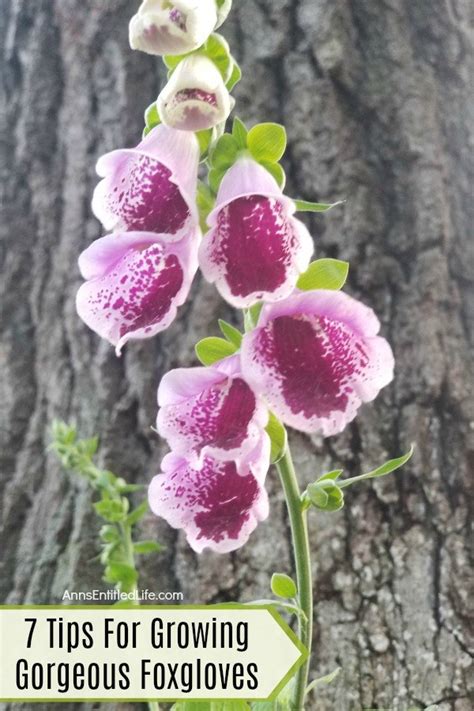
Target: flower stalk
<point>301,552</point>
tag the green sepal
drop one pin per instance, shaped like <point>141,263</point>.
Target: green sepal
<point>276,171</point>
<point>224,153</point>
<point>267,142</point>
<point>112,510</point>
<point>307,206</point>
<point>215,178</point>
<point>231,333</point>
<point>235,76</point>
<point>152,118</point>
<point>239,133</point>
<point>212,349</point>
<point>278,438</point>
<point>283,586</point>
<point>205,201</point>
<point>324,274</point>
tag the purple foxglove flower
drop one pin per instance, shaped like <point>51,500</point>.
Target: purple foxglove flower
<point>152,187</point>
<point>210,412</point>
<point>135,283</point>
<point>178,27</point>
<point>195,97</point>
<point>219,504</point>
<point>256,248</point>
<point>315,358</point>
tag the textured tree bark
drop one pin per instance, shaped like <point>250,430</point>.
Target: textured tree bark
<point>375,98</point>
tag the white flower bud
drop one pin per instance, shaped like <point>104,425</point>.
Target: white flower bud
<point>195,97</point>
<point>173,27</point>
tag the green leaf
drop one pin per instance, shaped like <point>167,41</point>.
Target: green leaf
<point>109,534</point>
<point>205,201</point>
<point>282,703</point>
<point>276,171</point>
<point>112,510</point>
<point>278,438</point>
<point>214,178</point>
<point>252,314</point>
<point>306,206</point>
<point>121,573</point>
<point>335,497</point>
<point>148,547</point>
<point>224,153</point>
<point>331,475</point>
<point>283,586</point>
<point>267,142</point>
<point>234,705</point>
<point>324,274</point>
<point>235,76</point>
<point>212,349</point>
<point>217,49</point>
<point>383,470</point>
<point>323,680</point>
<point>138,513</point>
<point>171,61</point>
<point>239,132</point>
<point>204,140</point>
<point>231,333</point>
<point>152,117</point>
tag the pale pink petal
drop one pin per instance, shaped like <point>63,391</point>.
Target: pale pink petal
<point>137,294</point>
<point>204,412</point>
<point>315,360</point>
<point>218,505</point>
<point>246,178</point>
<point>151,187</point>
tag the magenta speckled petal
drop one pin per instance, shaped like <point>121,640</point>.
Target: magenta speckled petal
<point>315,358</point>
<point>136,283</point>
<point>217,505</point>
<point>205,412</point>
<point>151,187</point>
<point>256,249</point>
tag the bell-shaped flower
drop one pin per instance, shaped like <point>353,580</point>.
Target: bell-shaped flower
<point>195,97</point>
<point>210,412</point>
<point>135,283</point>
<point>173,27</point>
<point>256,248</point>
<point>315,358</point>
<point>218,504</point>
<point>152,187</point>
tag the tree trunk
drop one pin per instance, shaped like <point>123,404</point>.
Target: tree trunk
<point>375,99</point>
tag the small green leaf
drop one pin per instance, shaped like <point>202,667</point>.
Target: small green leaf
<point>383,470</point>
<point>205,201</point>
<point>129,488</point>
<point>335,497</point>
<point>331,475</point>
<point>138,513</point>
<point>283,586</point>
<point>324,274</point>
<point>112,510</point>
<point>307,206</point>
<point>109,534</point>
<point>276,171</point>
<point>171,61</point>
<point>235,76</point>
<point>231,333</point>
<point>212,349</point>
<point>204,140</point>
<point>217,49</point>
<point>323,680</point>
<point>267,142</point>
<point>215,178</point>
<point>152,117</point>
<point>252,314</point>
<point>147,547</point>
<point>278,438</point>
<point>224,153</point>
<point>239,132</point>
<point>121,573</point>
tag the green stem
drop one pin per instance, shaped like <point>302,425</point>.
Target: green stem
<point>299,532</point>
